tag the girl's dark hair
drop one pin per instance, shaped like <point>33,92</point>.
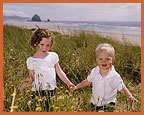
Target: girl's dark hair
<point>39,34</point>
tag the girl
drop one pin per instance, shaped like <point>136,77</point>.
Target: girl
<point>43,66</point>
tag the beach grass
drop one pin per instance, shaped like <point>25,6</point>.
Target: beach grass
<point>77,58</point>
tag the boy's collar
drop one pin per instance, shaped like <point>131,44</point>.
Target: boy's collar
<point>110,74</point>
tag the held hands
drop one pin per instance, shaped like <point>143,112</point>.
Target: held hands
<point>72,87</point>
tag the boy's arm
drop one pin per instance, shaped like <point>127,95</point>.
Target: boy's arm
<point>127,93</point>
<point>63,76</point>
<point>28,80</point>
<point>83,84</point>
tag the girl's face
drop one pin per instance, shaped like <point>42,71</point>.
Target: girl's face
<point>44,45</point>
<point>104,60</point>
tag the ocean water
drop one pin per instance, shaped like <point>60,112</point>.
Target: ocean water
<point>121,27</point>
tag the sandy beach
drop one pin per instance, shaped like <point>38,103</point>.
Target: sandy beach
<point>131,39</point>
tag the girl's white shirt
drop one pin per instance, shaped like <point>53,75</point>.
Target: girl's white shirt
<point>44,71</point>
<point>104,89</point>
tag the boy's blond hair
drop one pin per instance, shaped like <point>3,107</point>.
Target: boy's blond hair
<point>105,47</point>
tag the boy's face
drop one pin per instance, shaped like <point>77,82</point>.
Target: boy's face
<point>44,45</point>
<point>104,60</point>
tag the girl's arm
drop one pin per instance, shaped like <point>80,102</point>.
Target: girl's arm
<point>28,80</point>
<point>127,93</point>
<point>83,84</point>
<point>63,76</point>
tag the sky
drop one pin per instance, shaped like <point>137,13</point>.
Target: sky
<point>76,11</point>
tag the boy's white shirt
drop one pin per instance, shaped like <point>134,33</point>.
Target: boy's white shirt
<point>104,89</point>
<point>44,69</point>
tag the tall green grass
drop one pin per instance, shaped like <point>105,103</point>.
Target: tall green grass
<point>77,58</point>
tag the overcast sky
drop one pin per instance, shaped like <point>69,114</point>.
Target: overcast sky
<point>76,11</point>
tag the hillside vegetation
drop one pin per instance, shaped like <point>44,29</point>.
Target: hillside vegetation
<point>77,58</point>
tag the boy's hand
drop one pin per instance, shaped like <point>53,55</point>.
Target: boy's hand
<point>127,93</point>
<point>132,99</point>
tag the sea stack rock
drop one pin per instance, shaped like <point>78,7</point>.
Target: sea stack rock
<point>36,18</point>
<point>48,20</point>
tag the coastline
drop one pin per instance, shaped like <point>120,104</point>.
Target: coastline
<point>131,39</point>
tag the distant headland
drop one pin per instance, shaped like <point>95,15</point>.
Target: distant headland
<point>35,18</point>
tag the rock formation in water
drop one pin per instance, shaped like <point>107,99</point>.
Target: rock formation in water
<point>36,18</point>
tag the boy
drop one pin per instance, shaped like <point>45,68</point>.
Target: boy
<point>105,81</point>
